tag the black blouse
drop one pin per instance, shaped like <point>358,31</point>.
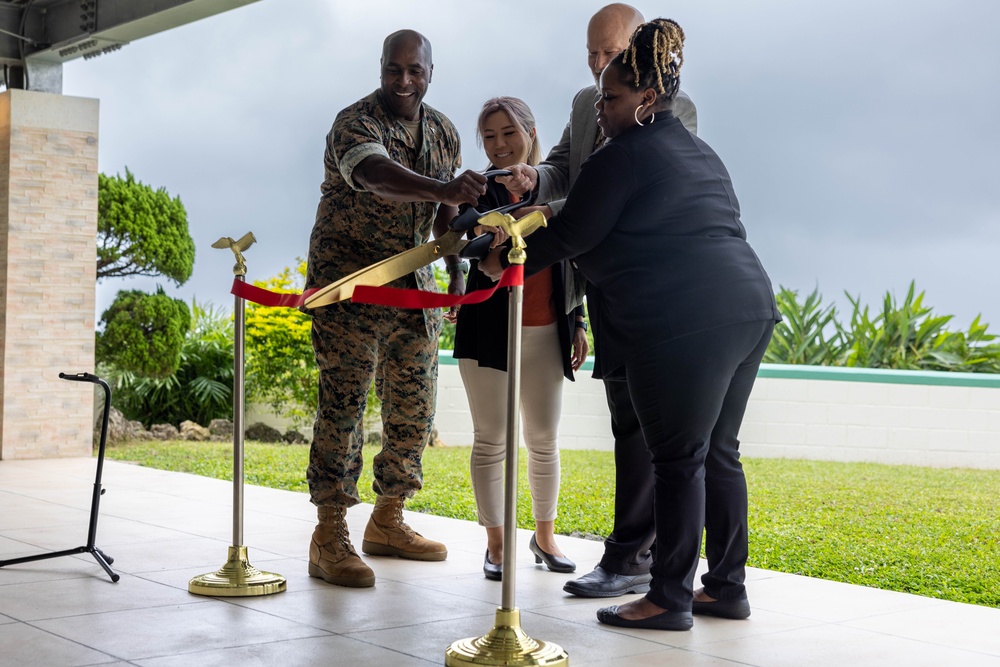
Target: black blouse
<point>481,330</point>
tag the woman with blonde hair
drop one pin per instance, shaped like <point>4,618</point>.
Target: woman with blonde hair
<point>554,345</point>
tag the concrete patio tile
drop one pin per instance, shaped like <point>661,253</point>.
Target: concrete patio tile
<point>330,650</point>
<point>345,610</point>
<point>27,646</point>
<point>972,627</point>
<point>833,644</point>
<point>176,629</point>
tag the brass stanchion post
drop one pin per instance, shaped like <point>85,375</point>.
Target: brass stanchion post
<point>237,578</point>
<point>507,643</point>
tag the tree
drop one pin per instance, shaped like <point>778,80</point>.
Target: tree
<point>141,231</point>
<point>144,333</point>
<point>201,389</point>
<point>281,368</point>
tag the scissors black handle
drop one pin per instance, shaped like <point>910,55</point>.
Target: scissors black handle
<point>478,247</point>
<point>470,217</point>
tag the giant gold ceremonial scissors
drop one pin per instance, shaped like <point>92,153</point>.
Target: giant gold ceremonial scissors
<point>451,243</point>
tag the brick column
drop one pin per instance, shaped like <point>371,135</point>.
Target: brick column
<point>48,230</point>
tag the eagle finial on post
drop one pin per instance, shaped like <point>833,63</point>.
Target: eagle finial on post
<point>247,240</point>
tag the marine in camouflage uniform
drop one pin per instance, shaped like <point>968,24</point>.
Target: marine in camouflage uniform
<point>417,150</point>
<point>353,342</point>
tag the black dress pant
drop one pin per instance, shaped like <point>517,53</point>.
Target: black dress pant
<point>690,395</point>
<point>627,548</point>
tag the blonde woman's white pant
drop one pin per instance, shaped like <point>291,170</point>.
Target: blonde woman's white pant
<point>541,404</point>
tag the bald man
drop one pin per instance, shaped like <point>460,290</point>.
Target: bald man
<point>624,568</point>
<point>390,178</point>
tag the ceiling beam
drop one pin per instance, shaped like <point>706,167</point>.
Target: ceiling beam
<point>57,31</point>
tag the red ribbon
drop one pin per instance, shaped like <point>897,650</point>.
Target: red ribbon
<point>266,297</point>
<point>383,296</point>
<point>412,298</point>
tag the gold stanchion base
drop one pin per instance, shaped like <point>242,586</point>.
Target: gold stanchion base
<point>237,578</point>
<point>506,644</point>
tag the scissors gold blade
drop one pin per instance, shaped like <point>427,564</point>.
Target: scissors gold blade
<point>389,269</point>
<point>406,262</point>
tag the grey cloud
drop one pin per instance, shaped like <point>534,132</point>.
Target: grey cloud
<point>861,136</point>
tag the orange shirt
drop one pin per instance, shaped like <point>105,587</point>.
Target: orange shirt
<point>539,309</point>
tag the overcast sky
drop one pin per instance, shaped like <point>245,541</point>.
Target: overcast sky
<point>862,135</point>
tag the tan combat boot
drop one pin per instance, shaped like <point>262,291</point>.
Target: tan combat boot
<point>388,535</point>
<point>331,556</point>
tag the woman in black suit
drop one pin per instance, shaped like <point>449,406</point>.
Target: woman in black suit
<point>686,313</point>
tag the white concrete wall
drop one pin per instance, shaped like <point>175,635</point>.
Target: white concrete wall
<point>585,424</point>
<point>822,414</point>
<point>830,414</point>
<point>938,426</point>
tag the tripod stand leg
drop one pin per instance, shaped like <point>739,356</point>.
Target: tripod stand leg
<point>111,561</point>
<point>103,561</point>
<point>53,554</point>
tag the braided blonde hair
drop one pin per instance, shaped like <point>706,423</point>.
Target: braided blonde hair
<point>654,56</point>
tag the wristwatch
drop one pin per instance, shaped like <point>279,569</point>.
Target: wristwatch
<point>581,324</point>
<point>462,266</point>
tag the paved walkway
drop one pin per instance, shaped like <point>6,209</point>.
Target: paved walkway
<point>165,528</point>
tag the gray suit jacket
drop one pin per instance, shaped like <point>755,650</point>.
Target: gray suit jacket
<point>560,169</point>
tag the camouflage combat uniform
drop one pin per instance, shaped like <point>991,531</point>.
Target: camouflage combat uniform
<point>355,343</point>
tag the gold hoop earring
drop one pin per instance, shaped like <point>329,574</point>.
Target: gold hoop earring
<point>635,115</point>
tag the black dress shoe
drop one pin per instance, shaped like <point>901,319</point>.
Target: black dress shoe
<point>604,584</point>
<point>735,609</point>
<point>668,620</point>
<point>492,571</point>
<point>554,563</point>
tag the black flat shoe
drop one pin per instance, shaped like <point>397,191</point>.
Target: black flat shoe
<point>668,620</point>
<point>554,563</point>
<point>492,571</point>
<point>734,609</point>
<point>604,584</point>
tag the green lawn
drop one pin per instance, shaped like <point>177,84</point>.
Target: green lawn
<point>917,530</point>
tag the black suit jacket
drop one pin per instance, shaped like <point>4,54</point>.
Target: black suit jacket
<point>654,224</point>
